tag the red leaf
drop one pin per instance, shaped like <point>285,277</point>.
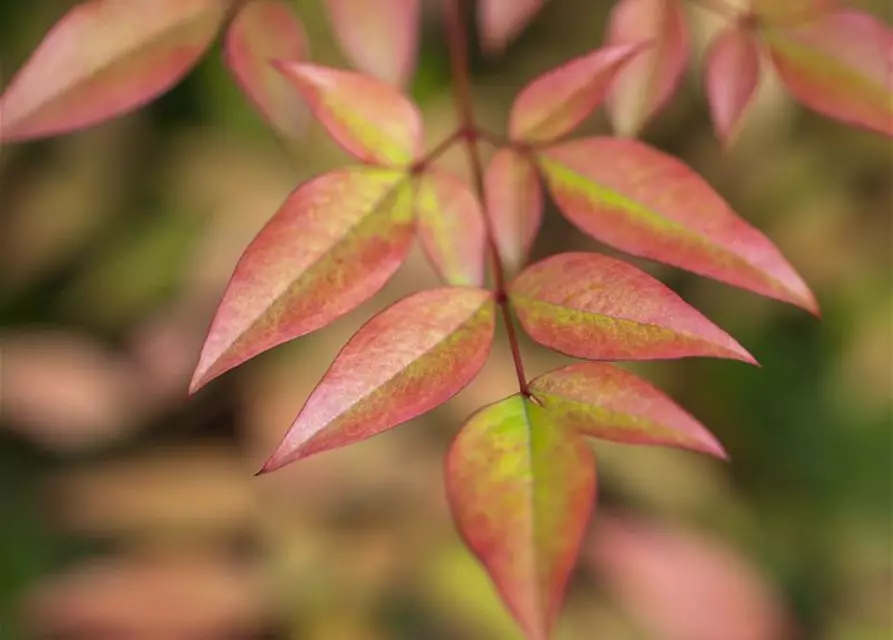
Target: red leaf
<point>335,242</point>
<point>521,490</point>
<point>369,118</point>
<point>651,204</point>
<point>410,358</point>
<point>645,85</point>
<point>264,30</point>
<point>103,59</point>
<point>557,101</point>
<point>380,38</point>
<point>840,65</point>
<point>607,402</point>
<point>731,77</point>
<point>500,21</point>
<point>451,227</point>
<point>591,306</point>
<point>514,196</point>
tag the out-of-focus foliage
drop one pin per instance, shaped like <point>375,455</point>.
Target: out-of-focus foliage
<point>127,510</point>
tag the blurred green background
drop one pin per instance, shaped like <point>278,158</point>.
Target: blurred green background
<point>128,510</point>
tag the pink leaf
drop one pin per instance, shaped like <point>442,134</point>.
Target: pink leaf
<point>514,196</point>
<point>410,358</point>
<point>104,59</point>
<point>591,306</point>
<point>500,21</point>
<point>731,77</point>
<point>264,30</point>
<point>607,402</point>
<point>380,37</point>
<point>368,117</point>
<point>521,490</point>
<point>557,101</point>
<point>645,85</point>
<point>451,227</point>
<point>335,242</point>
<point>840,65</point>
<point>651,204</point>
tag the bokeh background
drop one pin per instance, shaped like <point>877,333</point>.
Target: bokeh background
<point>129,511</point>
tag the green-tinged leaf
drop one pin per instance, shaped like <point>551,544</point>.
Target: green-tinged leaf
<point>103,59</point>
<point>591,306</point>
<point>840,65</point>
<point>451,227</point>
<point>791,12</point>
<point>607,402</point>
<point>650,204</point>
<point>334,242</point>
<point>521,490</point>
<point>368,117</point>
<point>410,358</point>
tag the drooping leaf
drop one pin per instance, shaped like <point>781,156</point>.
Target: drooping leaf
<point>369,118</point>
<point>607,402</point>
<point>841,65</point>
<point>500,21</point>
<point>521,490</point>
<point>557,101</point>
<point>334,242</point>
<point>103,59</point>
<point>650,204</point>
<point>262,31</point>
<point>731,78</point>
<point>514,196</point>
<point>450,225</point>
<point>645,85</point>
<point>380,38</point>
<point>591,306</point>
<point>407,360</point>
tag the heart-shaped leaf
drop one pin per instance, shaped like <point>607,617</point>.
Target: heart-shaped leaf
<point>410,358</point>
<point>500,21</point>
<point>731,79</point>
<point>591,306</point>
<point>521,490</point>
<point>334,242</point>
<point>103,59</point>
<point>650,204</point>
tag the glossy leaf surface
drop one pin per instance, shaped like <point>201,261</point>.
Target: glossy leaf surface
<point>380,38</point>
<point>647,83</point>
<point>334,242</point>
<point>840,65</point>
<point>607,402</point>
<point>103,59</point>
<point>521,490</point>
<point>591,306</point>
<point>557,101</point>
<point>410,358</point>
<point>650,204</point>
<point>368,117</point>
<point>450,225</point>
<point>731,77</point>
<point>262,31</point>
<point>500,21</point>
<point>514,196</point>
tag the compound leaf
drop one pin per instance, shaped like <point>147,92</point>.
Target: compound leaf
<point>368,117</point>
<point>380,38</point>
<point>103,59</point>
<point>450,225</point>
<point>521,490</point>
<point>410,358</point>
<point>500,21</point>
<point>334,242</point>
<point>514,197</point>
<point>731,78</point>
<point>604,401</point>
<point>650,204</point>
<point>591,306</point>
<point>557,101</point>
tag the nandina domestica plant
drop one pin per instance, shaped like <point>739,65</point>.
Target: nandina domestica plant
<point>520,475</point>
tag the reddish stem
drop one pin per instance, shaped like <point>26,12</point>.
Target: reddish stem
<point>457,40</point>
